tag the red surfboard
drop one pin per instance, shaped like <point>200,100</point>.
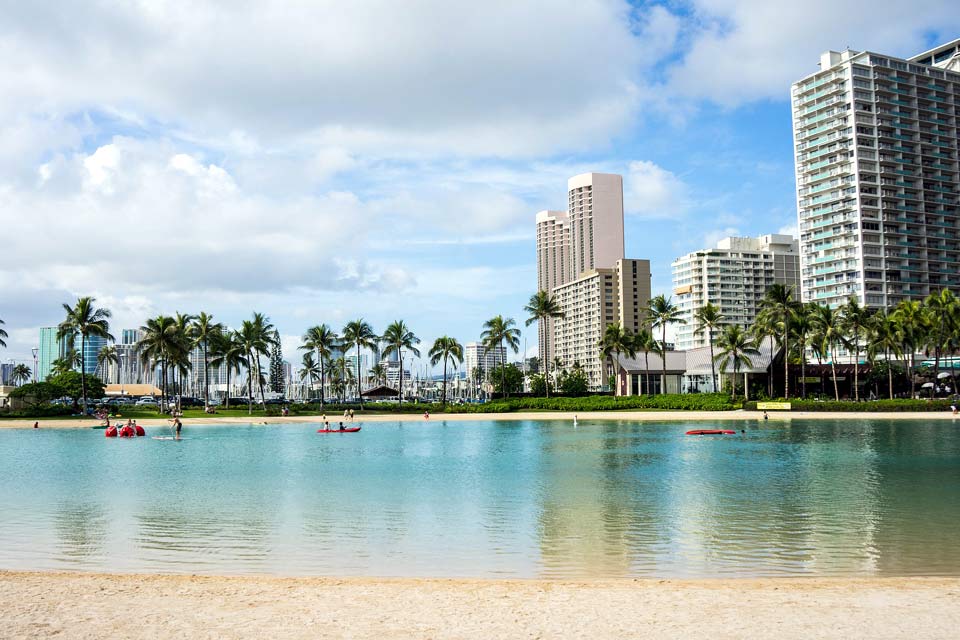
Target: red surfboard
<point>348,430</point>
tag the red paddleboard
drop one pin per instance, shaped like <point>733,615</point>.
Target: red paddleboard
<point>710,432</point>
<point>349,430</point>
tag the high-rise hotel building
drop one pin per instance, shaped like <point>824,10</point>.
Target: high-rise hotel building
<point>877,176</point>
<point>580,260</point>
<point>734,276</point>
<point>553,267</point>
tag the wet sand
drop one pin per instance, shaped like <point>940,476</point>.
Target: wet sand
<point>582,417</point>
<point>77,605</point>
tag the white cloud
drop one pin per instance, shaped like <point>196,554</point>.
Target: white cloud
<point>651,191</point>
<point>431,76</point>
<point>738,51</point>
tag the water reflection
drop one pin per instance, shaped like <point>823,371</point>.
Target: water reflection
<point>520,499</point>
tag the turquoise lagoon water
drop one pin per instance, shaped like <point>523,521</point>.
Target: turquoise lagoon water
<point>488,499</point>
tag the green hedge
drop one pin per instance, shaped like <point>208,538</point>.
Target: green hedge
<point>872,406</point>
<point>41,411</point>
<point>675,402</point>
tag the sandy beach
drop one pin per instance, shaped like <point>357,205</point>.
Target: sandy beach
<point>76,605</point>
<point>582,417</point>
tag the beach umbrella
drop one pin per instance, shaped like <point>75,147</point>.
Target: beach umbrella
<point>926,385</point>
<point>943,375</point>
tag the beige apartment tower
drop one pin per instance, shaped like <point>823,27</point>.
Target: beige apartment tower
<point>598,298</point>
<point>553,267</point>
<point>595,210</point>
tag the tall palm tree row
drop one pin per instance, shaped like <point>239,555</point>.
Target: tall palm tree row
<point>778,303</point>
<point>501,333</point>
<point>543,309</point>
<point>446,349</point>
<point>397,338</point>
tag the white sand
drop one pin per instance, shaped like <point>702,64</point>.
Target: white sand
<point>582,417</point>
<point>74,605</point>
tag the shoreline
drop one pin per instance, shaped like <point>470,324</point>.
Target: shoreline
<point>582,417</point>
<point>92,605</point>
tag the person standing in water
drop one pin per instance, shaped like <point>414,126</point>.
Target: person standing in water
<point>177,425</point>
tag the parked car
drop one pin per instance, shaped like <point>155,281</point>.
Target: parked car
<point>146,401</point>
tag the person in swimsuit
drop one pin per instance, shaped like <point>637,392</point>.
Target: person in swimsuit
<point>341,426</point>
<point>177,425</point>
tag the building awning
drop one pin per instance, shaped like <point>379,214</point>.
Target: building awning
<point>381,391</point>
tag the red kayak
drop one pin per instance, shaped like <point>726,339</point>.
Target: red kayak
<point>350,430</point>
<point>711,432</point>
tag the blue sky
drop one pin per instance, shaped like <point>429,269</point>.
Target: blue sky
<point>384,159</point>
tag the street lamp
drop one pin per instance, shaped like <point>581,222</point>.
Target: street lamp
<point>34,351</point>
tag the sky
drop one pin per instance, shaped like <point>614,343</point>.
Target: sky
<point>326,161</point>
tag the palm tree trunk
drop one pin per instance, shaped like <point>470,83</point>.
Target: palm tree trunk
<point>250,383</point>
<point>889,372</point>
<point>833,371</point>
<point>663,360</point>
<point>803,366</point>
<point>786,361</point>
<point>206,378</point>
<point>400,379</point>
<point>646,370</point>
<point>736,375</point>
<point>83,370</point>
<point>227,403</point>
<point>444,381</point>
<point>503,370</point>
<point>770,377</point>
<point>323,378</point>
<point>856,367</point>
<point>713,365</point>
<point>359,393</point>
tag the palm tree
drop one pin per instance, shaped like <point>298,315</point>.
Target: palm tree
<point>801,326</point>
<point>709,319</point>
<point>543,308</point>
<point>883,337</point>
<point>854,319</point>
<point>765,325</point>
<point>256,341</point>
<point>309,369</point>
<point>644,341</point>
<point>3,334</point>
<point>397,338</point>
<point>828,335</point>
<point>942,307</point>
<point>229,352</point>
<point>85,320</point>
<point>324,341</point>
<point>736,347</point>
<point>378,373</point>
<point>340,377</point>
<point>779,303</point>
<point>663,312</point>
<point>360,334</point>
<point>107,356</point>
<point>500,332</point>
<point>20,374</point>
<point>911,322</point>
<point>202,332</point>
<point>157,345</point>
<point>615,341</point>
<point>446,348</point>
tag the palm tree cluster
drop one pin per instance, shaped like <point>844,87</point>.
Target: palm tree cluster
<point>931,326</point>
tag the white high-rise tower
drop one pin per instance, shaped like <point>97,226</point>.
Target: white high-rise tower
<point>877,176</point>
